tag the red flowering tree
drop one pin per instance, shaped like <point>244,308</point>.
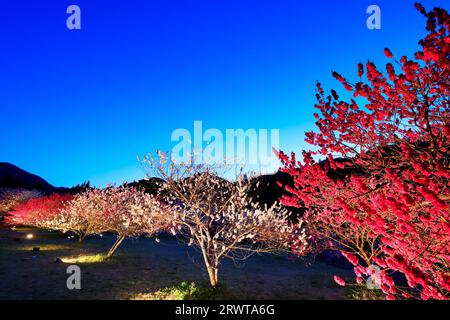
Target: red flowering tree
<point>34,211</point>
<point>382,196</point>
<point>9,198</point>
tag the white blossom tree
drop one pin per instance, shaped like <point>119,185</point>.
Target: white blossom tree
<point>217,215</point>
<point>129,212</point>
<point>124,211</point>
<point>82,216</point>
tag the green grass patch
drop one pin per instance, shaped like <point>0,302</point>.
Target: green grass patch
<point>359,292</point>
<point>85,258</point>
<point>24,229</point>
<point>185,291</point>
<point>44,247</point>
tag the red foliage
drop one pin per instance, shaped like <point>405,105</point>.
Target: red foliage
<point>35,210</point>
<point>387,205</point>
<point>339,281</point>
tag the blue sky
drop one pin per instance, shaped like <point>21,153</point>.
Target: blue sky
<point>80,105</point>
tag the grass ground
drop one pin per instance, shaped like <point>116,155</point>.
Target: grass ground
<point>141,267</point>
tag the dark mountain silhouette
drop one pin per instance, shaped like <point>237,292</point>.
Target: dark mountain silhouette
<point>153,184</point>
<point>265,189</point>
<point>149,185</point>
<point>12,176</point>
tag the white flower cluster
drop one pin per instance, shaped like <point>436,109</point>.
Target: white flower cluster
<point>217,215</point>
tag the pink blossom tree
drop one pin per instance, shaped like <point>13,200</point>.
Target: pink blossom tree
<point>124,211</point>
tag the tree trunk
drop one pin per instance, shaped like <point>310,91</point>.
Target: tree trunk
<point>82,237</point>
<point>213,276</point>
<point>212,268</point>
<point>115,246</point>
<point>216,274</point>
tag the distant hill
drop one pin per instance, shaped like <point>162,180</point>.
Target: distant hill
<point>149,185</point>
<point>268,190</point>
<point>265,189</point>
<point>12,176</point>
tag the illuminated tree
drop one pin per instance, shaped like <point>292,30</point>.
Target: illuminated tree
<point>216,215</point>
<point>382,196</point>
<point>9,198</point>
<point>83,215</point>
<point>125,211</point>
<point>129,212</point>
<point>34,211</point>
